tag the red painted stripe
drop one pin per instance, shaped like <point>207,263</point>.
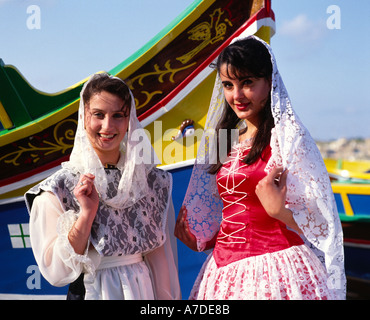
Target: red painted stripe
<point>33,172</point>
<point>357,241</point>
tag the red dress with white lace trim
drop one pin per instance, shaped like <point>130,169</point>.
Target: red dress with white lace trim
<point>256,256</point>
<point>246,229</point>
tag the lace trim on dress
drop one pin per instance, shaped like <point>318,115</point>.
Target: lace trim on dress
<point>230,188</point>
<point>291,274</point>
<point>64,226</point>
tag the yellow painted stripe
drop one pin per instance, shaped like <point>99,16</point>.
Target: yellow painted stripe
<point>4,118</point>
<point>39,124</point>
<point>346,204</point>
<point>351,188</point>
<point>346,189</point>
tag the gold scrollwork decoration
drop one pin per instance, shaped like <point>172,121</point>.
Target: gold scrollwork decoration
<point>61,145</point>
<point>203,32</point>
<point>207,32</point>
<point>148,98</point>
<point>158,72</point>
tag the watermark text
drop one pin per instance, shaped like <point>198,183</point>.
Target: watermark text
<point>34,19</point>
<point>334,20</point>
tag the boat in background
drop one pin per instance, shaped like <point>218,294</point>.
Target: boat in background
<point>171,80</point>
<point>353,203</point>
<point>341,170</point>
<point>351,187</point>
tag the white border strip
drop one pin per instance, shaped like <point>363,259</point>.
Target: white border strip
<point>356,245</point>
<point>11,200</point>
<point>177,165</point>
<point>30,180</point>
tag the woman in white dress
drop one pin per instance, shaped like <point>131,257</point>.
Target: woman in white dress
<point>104,217</point>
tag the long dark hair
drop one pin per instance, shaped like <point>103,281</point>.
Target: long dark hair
<point>248,56</point>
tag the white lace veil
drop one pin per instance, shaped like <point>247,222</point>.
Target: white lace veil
<point>136,160</point>
<point>309,195</point>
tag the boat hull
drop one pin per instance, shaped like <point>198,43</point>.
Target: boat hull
<point>171,81</point>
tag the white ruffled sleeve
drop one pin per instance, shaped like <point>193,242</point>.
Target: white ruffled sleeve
<point>49,228</point>
<point>162,263</point>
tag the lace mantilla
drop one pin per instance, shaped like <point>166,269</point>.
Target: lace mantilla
<point>136,161</point>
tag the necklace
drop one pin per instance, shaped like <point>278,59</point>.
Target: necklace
<point>248,139</point>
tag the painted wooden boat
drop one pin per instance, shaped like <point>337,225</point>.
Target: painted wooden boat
<point>171,82</point>
<point>350,183</point>
<point>166,75</point>
<point>342,170</point>
<point>352,199</point>
<point>353,202</point>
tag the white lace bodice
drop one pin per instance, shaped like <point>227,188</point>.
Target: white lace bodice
<point>136,229</point>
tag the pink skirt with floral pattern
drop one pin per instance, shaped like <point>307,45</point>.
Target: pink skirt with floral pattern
<point>290,274</point>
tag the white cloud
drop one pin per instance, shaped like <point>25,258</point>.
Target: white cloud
<point>303,29</point>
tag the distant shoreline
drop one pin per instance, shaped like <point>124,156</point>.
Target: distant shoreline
<point>343,148</point>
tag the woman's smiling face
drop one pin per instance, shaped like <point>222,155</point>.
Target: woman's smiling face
<point>246,95</point>
<point>106,123</point>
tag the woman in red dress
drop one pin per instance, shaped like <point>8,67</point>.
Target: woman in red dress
<point>267,209</point>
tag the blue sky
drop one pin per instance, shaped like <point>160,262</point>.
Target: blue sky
<point>326,71</point>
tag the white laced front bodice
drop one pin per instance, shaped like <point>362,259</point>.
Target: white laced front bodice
<point>234,178</point>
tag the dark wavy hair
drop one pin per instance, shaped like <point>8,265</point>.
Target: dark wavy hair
<point>103,82</point>
<point>246,57</point>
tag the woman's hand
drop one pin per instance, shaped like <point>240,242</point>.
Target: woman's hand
<point>182,231</point>
<point>86,195</point>
<point>271,191</point>
<point>88,198</point>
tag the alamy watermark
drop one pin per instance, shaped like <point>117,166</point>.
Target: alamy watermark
<point>34,280</point>
<point>210,142</point>
<point>34,17</point>
<point>334,20</point>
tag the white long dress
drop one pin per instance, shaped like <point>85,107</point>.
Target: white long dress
<point>151,274</point>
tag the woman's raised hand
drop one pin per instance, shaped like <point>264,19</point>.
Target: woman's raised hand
<point>271,191</point>
<point>88,198</point>
<point>86,194</point>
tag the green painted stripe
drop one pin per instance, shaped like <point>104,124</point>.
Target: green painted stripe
<point>359,218</point>
<point>155,39</point>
